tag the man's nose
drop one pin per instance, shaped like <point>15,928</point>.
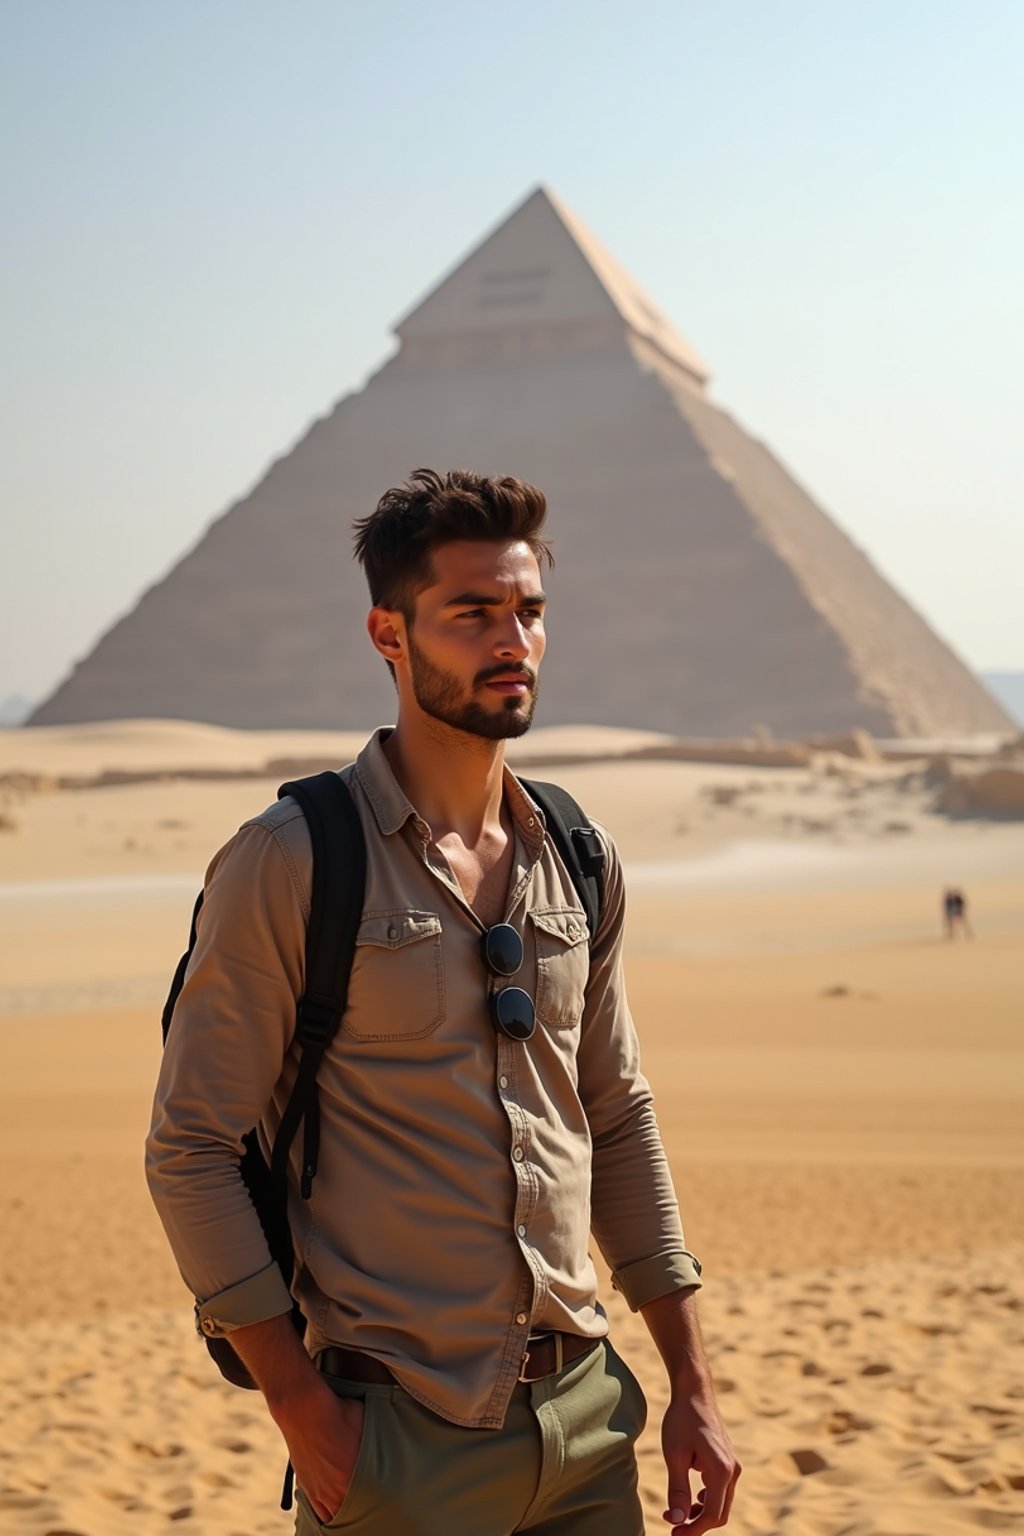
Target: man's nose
<point>513,640</point>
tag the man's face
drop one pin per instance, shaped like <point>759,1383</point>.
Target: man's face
<point>477,639</point>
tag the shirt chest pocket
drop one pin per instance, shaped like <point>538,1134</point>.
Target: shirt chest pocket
<point>563,965</point>
<point>396,990</point>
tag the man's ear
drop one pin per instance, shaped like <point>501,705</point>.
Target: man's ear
<point>386,629</point>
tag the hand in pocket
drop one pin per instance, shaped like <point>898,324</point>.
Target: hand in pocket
<point>324,1433</point>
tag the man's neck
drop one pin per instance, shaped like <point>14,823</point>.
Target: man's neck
<point>454,779</point>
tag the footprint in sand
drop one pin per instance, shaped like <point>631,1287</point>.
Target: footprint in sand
<point>842,1420</point>
<point>216,1480</point>
<point>158,1452</point>
<point>808,1461</point>
<point>119,1496</point>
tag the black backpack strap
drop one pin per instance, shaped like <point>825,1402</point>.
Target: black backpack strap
<point>178,979</point>
<point>335,910</point>
<point>577,842</point>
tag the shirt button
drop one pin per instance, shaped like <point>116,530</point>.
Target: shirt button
<point>517,1153</point>
<point>521,1318</point>
<point>572,930</point>
<point>392,932</point>
<point>521,1230</point>
<point>503,1082</point>
<point>209,1326</point>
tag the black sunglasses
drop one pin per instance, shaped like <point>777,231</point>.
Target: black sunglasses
<point>512,1010</point>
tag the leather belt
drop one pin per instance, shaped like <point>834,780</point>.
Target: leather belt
<point>549,1353</point>
<point>546,1355</point>
<point>354,1366</point>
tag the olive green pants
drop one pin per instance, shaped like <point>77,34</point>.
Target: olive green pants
<point>562,1465</point>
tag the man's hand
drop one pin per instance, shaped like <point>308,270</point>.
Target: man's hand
<point>323,1433</point>
<point>693,1436</point>
<point>693,1439</point>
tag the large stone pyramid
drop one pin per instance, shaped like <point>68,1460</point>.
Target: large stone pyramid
<point>698,589</point>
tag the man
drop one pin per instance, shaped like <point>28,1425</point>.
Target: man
<point>954,911</point>
<point>482,1108</point>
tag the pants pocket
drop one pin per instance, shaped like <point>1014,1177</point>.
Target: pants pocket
<point>362,1471</point>
<point>630,1414</point>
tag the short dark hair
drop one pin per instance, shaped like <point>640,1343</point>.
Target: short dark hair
<point>394,544</point>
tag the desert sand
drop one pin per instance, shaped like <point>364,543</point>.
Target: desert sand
<point>840,1091</point>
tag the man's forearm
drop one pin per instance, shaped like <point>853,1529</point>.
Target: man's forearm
<point>693,1436</point>
<point>673,1325</point>
<point>277,1362</point>
<point>322,1432</point>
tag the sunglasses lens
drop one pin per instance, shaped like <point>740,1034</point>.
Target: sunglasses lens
<point>503,950</point>
<point>513,1012</point>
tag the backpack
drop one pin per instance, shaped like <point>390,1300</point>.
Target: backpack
<point>336,906</point>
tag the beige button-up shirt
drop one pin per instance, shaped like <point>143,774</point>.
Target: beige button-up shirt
<point>460,1172</point>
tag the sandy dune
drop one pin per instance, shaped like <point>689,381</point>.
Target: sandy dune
<point>840,1091</point>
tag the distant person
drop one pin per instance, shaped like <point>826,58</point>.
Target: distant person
<point>954,911</point>
<point>456,1375</point>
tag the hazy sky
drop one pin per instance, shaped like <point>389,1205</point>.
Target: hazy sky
<point>213,210</point>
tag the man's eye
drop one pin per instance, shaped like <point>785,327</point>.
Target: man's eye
<point>472,613</point>
<point>531,613</point>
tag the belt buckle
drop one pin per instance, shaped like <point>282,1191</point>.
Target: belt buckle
<point>559,1358</point>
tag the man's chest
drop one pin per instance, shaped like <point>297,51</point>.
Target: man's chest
<point>418,974</point>
<point>483,883</point>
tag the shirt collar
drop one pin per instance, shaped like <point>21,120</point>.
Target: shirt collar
<point>393,808</point>
<point>391,805</point>
<point>528,817</point>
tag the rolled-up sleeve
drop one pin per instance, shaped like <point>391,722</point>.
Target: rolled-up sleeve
<point>650,1278</point>
<point>634,1211</point>
<point>225,1052</point>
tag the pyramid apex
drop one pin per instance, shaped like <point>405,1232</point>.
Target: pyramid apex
<point>541,270</point>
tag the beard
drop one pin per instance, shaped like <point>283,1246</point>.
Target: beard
<point>441,695</point>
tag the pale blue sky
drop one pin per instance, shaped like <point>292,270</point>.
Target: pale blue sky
<point>213,210</point>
